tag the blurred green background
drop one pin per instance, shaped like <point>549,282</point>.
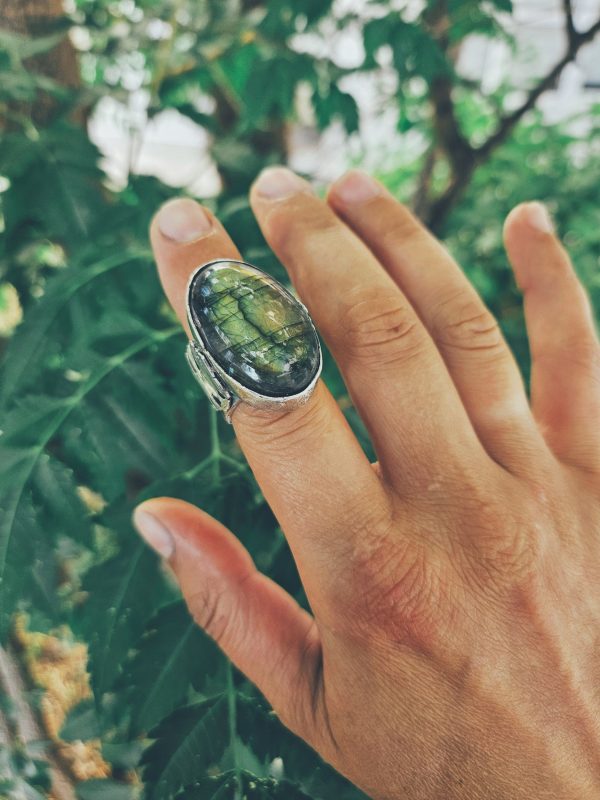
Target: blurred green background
<point>108,108</point>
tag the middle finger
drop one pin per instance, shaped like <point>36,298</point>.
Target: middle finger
<point>393,370</point>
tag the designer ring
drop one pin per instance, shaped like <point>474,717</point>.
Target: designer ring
<point>252,340</point>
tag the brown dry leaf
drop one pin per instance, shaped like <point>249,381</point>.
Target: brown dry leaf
<point>59,667</point>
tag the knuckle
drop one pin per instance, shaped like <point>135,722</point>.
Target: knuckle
<point>403,585</point>
<point>379,329</point>
<point>401,229</point>
<point>462,322</point>
<point>583,352</point>
<point>509,546</point>
<point>301,229</point>
<point>207,609</point>
<point>212,609</point>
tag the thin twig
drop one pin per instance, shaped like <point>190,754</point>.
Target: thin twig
<point>508,122</point>
<point>5,734</point>
<point>419,200</point>
<point>463,157</point>
<point>569,25</point>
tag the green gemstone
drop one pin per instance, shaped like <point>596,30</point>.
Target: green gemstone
<point>254,329</point>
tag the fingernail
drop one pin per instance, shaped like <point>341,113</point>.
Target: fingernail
<point>152,530</point>
<point>539,217</point>
<point>277,183</point>
<point>183,220</point>
<point>356,187</point>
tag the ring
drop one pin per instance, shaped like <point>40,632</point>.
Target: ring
<point>252,340</point>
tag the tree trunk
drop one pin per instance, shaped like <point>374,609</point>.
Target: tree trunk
<point>271,140</point>
<point>36,18</point>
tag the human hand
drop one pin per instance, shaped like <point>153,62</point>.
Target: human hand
<point>454,646</point>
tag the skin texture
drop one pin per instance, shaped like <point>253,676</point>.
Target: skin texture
<point>454,647</point>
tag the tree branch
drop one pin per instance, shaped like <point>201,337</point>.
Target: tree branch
<point>507,123</point>
<point>447,128</point>
<point>569,26</point>
<point>463,157</point>
<point>419,200</point>
<point>26,726</point>
<point>36,18</point>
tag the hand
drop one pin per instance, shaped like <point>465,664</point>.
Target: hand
<point>454,647</point>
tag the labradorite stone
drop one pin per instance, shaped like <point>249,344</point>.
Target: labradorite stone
<point>254,329</point>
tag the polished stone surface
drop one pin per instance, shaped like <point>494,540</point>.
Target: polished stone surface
<point>254,330</point>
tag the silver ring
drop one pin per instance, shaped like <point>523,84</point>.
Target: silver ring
<point>252,340</point>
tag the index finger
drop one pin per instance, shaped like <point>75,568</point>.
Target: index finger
<point>307,461</point>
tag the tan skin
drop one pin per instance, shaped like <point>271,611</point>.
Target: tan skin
<point>453,649</point>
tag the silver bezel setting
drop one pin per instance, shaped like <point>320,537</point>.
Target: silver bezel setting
<point>223,391</point>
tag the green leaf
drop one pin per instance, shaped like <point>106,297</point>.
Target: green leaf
<point>173,655</point>
<point>60,508</point>
<point>24,545</point>
<point>377,33</point>
<point>123,755</point>
<point>21,47</point>
<point>270,88</point>
<point>191,743</point>
<point>54,184</point>
<point>81,723</point>
<point>264,734</point>
<point>28,569</point>
<point>98,789</point>
<point>25,355</point>
<point>313,10</point>
<point>122,594</point>
<point>187,744</point>
<point>226,787</point>
<point>336,104</point>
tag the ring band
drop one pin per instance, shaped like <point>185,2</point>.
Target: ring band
<point>252,340</point>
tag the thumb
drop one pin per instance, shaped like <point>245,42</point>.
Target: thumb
<point>256,623</point>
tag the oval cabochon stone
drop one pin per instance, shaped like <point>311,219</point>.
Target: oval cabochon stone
<point>254,329</point>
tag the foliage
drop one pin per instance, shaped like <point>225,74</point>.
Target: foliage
<point>98,412</point>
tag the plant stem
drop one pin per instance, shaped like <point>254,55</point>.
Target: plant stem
<point>215,446</point>
<point>232,716</point>
<point>216,455</point>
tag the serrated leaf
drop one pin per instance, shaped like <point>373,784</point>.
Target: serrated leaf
<point>22,553</point>
<point>82,723</point>
<point>56,185</point>
<point>264,734</point>
<point>172,655</point>
<point>59,505</point>
<point>124,755</point>
<point>28,569</point>
<point>98,789</point>
<point>187,743</point>
<point>122,594</point>
<point>26,350</point>
<point>227,787</point>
